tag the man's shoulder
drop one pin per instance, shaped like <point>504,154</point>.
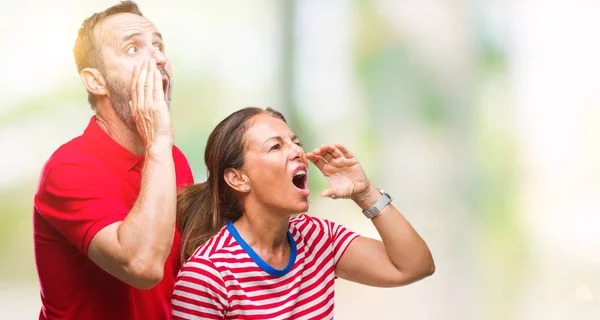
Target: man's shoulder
<point>179,157</point>
<point>177,152</point>
<point>73,152</point>
<point>74,160</point>
<point>182,167</point>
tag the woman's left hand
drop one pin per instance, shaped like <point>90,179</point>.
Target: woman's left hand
<point>342,170</point>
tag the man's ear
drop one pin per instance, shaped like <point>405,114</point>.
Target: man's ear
<point>237,180</point>
<point>93,81</point>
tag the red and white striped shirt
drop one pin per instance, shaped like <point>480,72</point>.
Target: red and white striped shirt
<point>226,279</point>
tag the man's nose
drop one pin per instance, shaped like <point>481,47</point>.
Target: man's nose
<point>159,56</point>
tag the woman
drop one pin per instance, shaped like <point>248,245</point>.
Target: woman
<point>248,258</point>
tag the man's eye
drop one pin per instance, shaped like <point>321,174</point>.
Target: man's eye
<point>132,50</point>
<point>299,144</point>
<point>159,47</point>
<point>275,147</point>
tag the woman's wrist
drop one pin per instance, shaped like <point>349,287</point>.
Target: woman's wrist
<point>367,198</point>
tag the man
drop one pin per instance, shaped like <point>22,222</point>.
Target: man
<point>106,245</point>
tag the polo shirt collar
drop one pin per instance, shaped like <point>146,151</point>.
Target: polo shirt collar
<point>108,148</point>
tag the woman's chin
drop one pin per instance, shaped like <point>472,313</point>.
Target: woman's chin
<point>301,207</point>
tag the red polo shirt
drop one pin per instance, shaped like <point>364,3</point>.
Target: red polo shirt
<point>87,184</point>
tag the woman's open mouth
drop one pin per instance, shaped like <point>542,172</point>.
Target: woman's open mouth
<point>300,180</point>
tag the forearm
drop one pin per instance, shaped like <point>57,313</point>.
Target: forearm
<point>146,234</point>
<point>404,247</point>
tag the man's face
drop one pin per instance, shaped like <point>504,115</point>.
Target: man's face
<point>124,41</point>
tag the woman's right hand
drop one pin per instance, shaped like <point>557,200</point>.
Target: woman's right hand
<point>342,170</point>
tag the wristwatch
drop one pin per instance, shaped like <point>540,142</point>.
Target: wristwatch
<point>375,210</point>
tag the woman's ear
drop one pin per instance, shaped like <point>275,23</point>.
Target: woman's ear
<point>93,81</point>
<point>237,180</point>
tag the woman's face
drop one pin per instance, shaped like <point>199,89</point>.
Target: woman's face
<point>275,164</point>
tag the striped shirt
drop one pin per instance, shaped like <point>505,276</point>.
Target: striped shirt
<point>226,279</point>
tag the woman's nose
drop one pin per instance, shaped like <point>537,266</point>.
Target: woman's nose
<point>297,152</point>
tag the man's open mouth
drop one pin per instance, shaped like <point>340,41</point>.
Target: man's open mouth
<point>165,83</point>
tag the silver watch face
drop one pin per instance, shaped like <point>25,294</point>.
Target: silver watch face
<point>385,194</point>
<point>379,205</point>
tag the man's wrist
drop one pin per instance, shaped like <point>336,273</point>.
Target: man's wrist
<point>160,149</point>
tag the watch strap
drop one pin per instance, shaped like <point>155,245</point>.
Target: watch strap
<point>375,210</point>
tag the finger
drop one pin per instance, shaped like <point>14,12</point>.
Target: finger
<point>133,114</point>
<point>334,152</point>
<point>323,160</point>
<point>327,157</point>
<point>159,93</point>
<point>149,84</point>
<point>141,83</point>
<point>344,150</point>
<point>331,149</point>
<point>312,157</point>
<point>323,152</point>
<point>337,153</point>
<point>328,193</point>
<point>136,72</point>
<point>316,160</point>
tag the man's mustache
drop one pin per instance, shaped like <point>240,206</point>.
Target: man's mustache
<point>163,72</point>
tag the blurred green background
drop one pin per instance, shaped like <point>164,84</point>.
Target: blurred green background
<point>479,117</point>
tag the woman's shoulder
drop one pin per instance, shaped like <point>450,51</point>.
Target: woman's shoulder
<point>305,223</point>
<point>215,245</point>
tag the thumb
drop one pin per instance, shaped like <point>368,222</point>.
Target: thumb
<point>328,193</point>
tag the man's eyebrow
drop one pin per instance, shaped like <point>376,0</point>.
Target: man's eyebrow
<point>133,35</point>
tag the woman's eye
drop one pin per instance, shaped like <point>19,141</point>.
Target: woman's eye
<point>275,147</point>
<point>131,50</point>
<point>299,144</point>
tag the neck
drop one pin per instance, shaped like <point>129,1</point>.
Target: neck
<point>263,230</point>
<point>124,135</point>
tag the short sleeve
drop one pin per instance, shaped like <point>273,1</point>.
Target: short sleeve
<point>182,168</point>
<point>78,202</point>
<point>341,238</point>
<point>199,292</point>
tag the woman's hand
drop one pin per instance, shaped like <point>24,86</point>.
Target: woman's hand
<point>342,170</point>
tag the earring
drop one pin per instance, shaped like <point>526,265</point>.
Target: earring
<point>247,188</point>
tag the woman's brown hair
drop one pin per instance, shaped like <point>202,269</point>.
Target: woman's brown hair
<point>204,208</point>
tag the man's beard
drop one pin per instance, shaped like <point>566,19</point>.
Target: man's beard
<point>120,95</point>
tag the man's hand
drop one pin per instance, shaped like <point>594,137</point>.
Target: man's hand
<point>148,107</point>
